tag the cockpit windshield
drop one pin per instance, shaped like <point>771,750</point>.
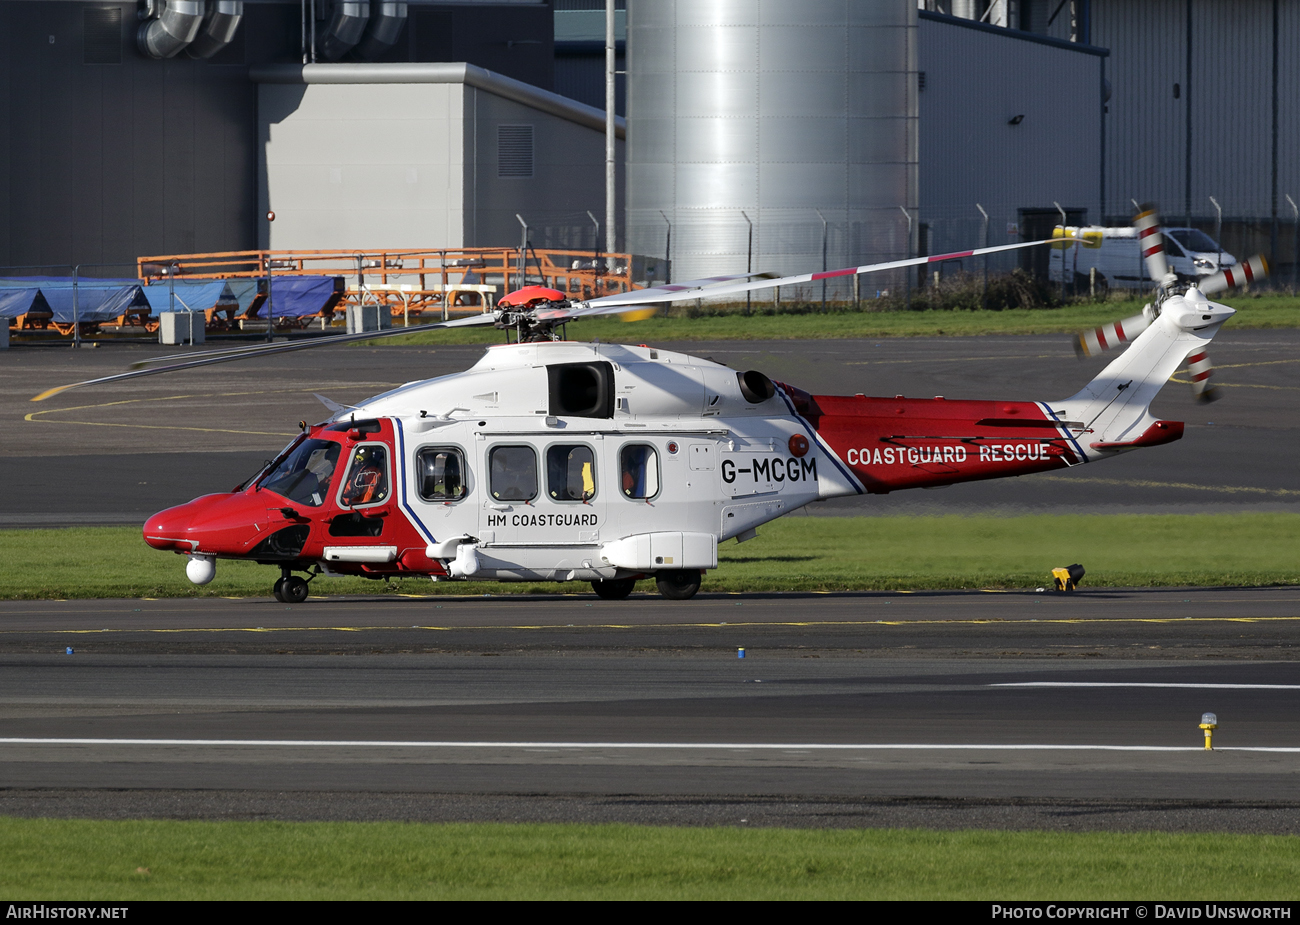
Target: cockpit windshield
<point>304,475</point>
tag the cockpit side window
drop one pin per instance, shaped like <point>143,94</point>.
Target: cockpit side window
<point>367,481</point>
<point>304,475</point>
<point>442,473</point>
<point>570,473</point>
<point>512,473</point>
<point>638,466</point>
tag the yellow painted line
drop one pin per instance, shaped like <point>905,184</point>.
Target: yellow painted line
<point>1240,385</point>
<point>505,597</point>
<point>1146,483</point>
<point>802,624</point>
<point>205,430</point>
<point>37,417</point>
<point>1260,363</point>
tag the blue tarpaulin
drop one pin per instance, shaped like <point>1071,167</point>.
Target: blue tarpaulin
<point>94,303</point>
<point>243,291</point>
<point>98,300</point>
<point>298,296</point>
<point>17,302</point>
<point>196,295</point>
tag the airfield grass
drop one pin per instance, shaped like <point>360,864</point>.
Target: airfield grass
<point>143,860</point>
<point>1254,311</point>
<point>796,553</point>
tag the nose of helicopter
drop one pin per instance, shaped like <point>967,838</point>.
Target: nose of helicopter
<point>212,523</point>
<point>172,528</point>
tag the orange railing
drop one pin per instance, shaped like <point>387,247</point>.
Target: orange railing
<point>412,282</point>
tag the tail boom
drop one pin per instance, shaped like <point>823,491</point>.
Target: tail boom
<point>892,444</point>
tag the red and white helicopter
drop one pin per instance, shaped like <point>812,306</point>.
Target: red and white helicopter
<point>552,460</point>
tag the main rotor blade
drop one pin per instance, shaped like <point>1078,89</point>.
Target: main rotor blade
<point>641,296</point>
<point>1230,277</point>
<point>691,289</point>
<point>178,362</point>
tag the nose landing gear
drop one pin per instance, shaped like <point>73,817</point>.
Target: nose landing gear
<point>289,588</point>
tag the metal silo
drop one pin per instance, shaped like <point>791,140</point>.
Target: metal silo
<point>799,116</point>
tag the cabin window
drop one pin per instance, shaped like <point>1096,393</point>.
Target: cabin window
<point>367,481</point>
<point>584,390</point>
<point>304,475</point>
<point>639,471</point>
<point>512,473</point>
<point>570,473</point>
<point>442,474</point>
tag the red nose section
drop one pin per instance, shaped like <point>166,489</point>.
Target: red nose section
<point>210,524</point>
<point>168,529</point>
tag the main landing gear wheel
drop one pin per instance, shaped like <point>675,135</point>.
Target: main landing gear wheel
<point>277,590</point>
<point>613,589</point>
<point>678,584</point>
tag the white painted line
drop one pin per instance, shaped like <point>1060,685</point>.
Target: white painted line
<point>701,746</point>
<point>1228,687</point>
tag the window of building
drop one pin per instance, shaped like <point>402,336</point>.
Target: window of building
<point>512,473</point>
<point>570,473</point>
<point>639,471</point>
<point>442,474</point>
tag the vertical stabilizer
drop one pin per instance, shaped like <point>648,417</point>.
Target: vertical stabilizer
<point>1114,406</point>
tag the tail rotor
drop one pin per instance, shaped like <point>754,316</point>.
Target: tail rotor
<point>1248,271</point>
<point>1120,333</point>
<point>1111,336</point>
<point>1151,240</point>
<point>1201,369</point>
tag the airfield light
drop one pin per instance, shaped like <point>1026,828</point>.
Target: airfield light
<point>740,653</point>
<point>1209,722</point>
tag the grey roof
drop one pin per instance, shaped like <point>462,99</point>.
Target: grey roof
<point>439,73</point>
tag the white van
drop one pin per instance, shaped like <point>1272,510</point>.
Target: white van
<point>1191,253</point>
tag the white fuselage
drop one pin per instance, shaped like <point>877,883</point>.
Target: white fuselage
<point>675,461</point>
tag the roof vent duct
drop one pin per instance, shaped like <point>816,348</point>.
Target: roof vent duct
<point>387,20</point>
<point>220,22</point>
<point>169,26</point>
<point>347,22</point>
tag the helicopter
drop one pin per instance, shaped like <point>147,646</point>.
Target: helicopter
<point>555,460</point>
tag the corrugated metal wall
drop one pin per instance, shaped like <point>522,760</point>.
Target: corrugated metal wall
<point>104,162</point>
<point>1228,93</point>
<point>977,81</point>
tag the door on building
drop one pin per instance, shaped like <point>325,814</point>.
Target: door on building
<point>1037,225</point>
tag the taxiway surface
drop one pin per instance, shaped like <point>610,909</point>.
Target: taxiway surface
<point>871,709</point>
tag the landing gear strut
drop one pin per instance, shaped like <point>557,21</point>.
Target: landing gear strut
<point>289,588</point>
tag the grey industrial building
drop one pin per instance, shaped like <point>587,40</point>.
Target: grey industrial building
<point>869,128</point>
